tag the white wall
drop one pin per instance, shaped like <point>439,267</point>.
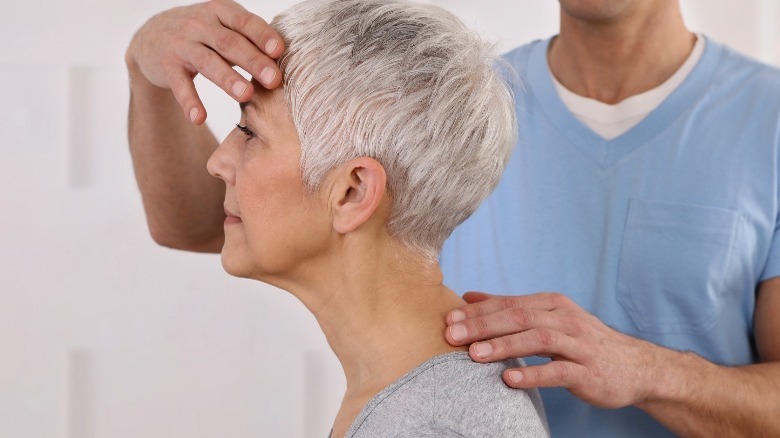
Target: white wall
<point>104,334</point>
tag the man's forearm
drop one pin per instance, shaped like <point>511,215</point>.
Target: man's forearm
<point>183,202</point>
<point>697,398</point>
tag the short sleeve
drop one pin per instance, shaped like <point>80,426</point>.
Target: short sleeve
<point>429,431</point>
<point>772,266</point>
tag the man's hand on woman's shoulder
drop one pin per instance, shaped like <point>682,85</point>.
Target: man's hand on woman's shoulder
<point>596,363</point>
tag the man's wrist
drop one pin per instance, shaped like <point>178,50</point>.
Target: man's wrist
<point>674,378</point>
<point>137,78</point>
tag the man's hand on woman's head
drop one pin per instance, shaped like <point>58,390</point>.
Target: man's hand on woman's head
<point>596,363</point>
<point>207,38</point>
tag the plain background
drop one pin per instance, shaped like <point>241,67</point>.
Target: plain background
<point>105,334</point>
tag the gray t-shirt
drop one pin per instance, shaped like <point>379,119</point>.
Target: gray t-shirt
<point>452,396</point>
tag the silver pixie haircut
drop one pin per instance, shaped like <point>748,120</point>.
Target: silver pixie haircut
<point>410,86</point>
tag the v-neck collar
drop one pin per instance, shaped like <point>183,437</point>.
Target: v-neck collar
<point>607,152</point>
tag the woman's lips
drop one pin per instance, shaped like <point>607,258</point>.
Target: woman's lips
<point>231,219</point>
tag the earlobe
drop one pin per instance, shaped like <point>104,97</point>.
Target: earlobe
<point>358,192</point>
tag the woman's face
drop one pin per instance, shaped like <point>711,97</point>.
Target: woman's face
<point>273,223</point>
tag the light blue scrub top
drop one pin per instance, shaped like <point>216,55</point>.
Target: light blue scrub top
<point>663,233</point>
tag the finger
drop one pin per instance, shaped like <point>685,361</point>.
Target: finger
<point>476,297</point>
<point>236,49</point>
<point>184,90</point>
<point>260,34</point>
<point>504,322</point>
<point>470,297</point>
<point>538,301</point>
<point>535,342</point>
<point>553,374</point>
<point>214,68</point>
<point>253,27</point>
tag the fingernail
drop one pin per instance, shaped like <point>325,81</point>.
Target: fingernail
<point>239,88</point>
<point>270,46</point>
<point>267,75</point>
<point>515,376</point>
<point>457,315</point>
<point>483,350</point>
<point>194,114</point>
<point>458,332</point>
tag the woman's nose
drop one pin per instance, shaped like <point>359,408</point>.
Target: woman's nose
<point>220,165</point>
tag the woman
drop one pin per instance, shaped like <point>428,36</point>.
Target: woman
<point>392,126</point>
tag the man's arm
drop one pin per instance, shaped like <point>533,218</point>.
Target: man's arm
<point>688,394</point>
<point>703,399</point>
<point>168,142</point>
<point>183,203</point>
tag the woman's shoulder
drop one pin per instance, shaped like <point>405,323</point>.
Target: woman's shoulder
<point>450,395</point>
<point>472,397</point>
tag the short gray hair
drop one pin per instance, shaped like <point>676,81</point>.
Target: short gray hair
<point>410,86</point>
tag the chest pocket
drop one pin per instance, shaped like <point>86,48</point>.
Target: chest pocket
<point>674,261</point>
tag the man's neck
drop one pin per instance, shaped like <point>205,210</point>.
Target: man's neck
<point>611,60</point>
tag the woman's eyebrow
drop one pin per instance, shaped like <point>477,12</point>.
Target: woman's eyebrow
<point>252,104</point>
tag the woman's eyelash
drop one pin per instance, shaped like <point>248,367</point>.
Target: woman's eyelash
<point>248,132</point>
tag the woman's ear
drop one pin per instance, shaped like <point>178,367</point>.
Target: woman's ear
<point>356,193</point>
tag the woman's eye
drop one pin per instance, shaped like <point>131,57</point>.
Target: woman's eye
<point>248,132</point>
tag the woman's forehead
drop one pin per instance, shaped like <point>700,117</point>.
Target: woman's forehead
<point>265,101</point>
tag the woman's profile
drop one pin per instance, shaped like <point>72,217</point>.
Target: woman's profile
<point>392,125</point>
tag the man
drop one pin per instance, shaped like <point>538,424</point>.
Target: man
<point>644,187</point>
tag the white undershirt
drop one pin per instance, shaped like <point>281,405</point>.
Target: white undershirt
<point>611,121</point>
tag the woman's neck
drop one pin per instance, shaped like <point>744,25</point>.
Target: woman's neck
<point>379,340</point>
<point>382,309</point>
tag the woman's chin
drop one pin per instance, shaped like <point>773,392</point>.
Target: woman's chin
<point>244,270</point>
<point>234,268</point>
